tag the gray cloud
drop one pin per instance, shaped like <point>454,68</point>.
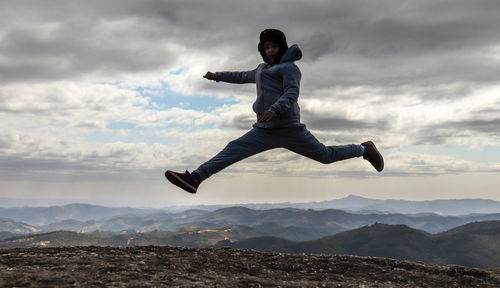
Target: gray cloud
<point>66,53</point>
<point>47,170</point>
<point>443,133</point>
<point>487,126</point>
<point>63,40</point>
<point>388,43</point>
<point>243,122</point>
<point>329,123</point>
<point>317,45</point>
<point>433,136</point>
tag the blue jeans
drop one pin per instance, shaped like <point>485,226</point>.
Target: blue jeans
<point>297,139</point>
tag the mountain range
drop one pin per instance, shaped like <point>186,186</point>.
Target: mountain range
<point>351,203</point>
<point>309,224</point>
<point>474,244</point>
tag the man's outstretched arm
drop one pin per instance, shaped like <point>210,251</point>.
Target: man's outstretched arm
<point>237,77</point>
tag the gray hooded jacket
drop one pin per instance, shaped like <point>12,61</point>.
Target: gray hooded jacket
<point>277,88</point>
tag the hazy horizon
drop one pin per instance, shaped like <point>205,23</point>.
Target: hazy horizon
<point>61,202</point>
<point>98,99</point>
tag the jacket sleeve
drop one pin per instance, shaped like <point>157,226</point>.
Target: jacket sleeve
<point>291,84</point>
<point>237,77</point>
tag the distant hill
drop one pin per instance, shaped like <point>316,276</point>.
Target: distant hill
<point>300,224</point>
<point>9,225</point>
<point>393,241</point>
<point>188,235</point>
<point>475,244</point>
<point>441,207</point>
<point>5,235</point>
<point>292,233</point>
<point>332,220</point>
<point>81,212</point>
<point>364,205</point>
<point>353,204</point>
<point>472,227</point>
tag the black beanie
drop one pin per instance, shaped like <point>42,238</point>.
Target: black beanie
<point>275,36</point>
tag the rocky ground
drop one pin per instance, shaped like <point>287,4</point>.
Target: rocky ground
<point>189,267</point>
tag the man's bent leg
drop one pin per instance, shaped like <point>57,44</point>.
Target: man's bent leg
<point>253,142</point>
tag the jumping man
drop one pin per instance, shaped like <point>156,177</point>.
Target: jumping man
<point>278,117</point>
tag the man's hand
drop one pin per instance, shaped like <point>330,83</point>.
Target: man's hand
<point>266,116</point>
<point>209,76</point>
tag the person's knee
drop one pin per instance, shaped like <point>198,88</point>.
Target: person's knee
<point>324,156</point>
<point>324,161</point>
<point>237,143</point>
<point>231,143</point>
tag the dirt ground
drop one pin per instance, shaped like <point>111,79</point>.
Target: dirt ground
<point>188,267</point>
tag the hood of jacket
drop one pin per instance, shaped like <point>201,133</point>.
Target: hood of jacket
<point>293,53</point>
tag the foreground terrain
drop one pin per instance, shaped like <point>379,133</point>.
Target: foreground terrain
<point>224,267</point>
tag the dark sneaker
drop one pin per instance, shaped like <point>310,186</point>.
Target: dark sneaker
<point>183,180</point>
<point>373,156</point>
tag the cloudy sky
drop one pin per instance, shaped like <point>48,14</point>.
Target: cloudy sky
<point>99,98</point>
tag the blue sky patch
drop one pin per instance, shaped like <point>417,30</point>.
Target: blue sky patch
<point>164,98</point>
<point>120,125</point>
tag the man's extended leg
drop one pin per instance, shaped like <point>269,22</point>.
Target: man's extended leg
<point>301,141</point>
<point>253,142</point>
